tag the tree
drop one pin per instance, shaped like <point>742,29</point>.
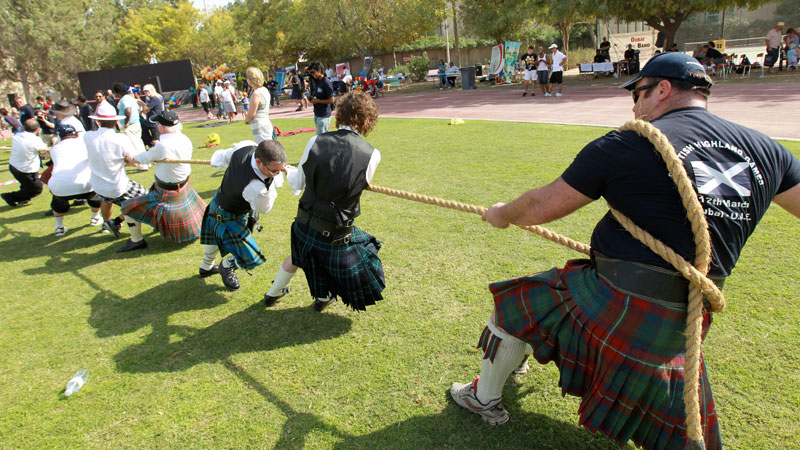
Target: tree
<point>667,16</point>
<point>496,19</point>
<point>38,50</point>
<point>563,14</point>
<point>218,40</point>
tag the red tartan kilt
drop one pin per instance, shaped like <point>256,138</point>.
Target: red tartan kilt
<point>622,355</point>
<point>177,215</point>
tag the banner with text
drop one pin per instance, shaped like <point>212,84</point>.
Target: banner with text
<point>496,63</point>
<point>644,41</point>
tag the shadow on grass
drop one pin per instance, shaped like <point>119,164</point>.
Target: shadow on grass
<point>452,427</point>
<point>254,329</point>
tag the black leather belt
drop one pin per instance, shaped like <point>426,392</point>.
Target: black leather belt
<point>341,234</point>
<point>171,186</point>
<point>644,281</point>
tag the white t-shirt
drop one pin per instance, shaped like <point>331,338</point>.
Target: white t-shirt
<point>218,90</point>
<point>170,146</point>
<point>558,59</point>
<point>25,148</point>
<point>203,95</point>
<point>227,94</point>
<point>107,150</point>
<point>541,63</point>
<point>71,174</point>
<point>774,38</point>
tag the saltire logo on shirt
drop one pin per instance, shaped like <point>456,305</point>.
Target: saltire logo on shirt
<point>722,178</point>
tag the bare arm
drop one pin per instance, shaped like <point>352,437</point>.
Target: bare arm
<point>537,206</point>
<point>790,200</point>
<point>255,100</point>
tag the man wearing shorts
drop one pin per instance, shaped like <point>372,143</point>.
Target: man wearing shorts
<point>528,61</point>
<point>558,60</point>
<point>542,70</point>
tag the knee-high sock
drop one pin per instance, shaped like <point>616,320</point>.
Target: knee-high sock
<point>208,259</point>
<point>282,279</point>
<point>135,229</point>
<point>507,357</point>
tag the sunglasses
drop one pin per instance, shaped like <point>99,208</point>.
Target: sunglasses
<point>635,91</point>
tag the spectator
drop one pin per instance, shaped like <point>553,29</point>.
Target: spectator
<point>65,113</point>
<point>26,111</point>
<point>699,52</point>
<point>47,124</point>
<point>673,47</point>
<point>84,111</point>
<point>151,105</point>
<point>791,57</point>
<point>24,164</point>
<point>10,121</point>
<point>528,61</point>
<point>258,115</point>
<point>128,108</point>
<point>204,99</point>
<point>218,98</point>
<point>193,95</point>
<point>452,74</point>
<point>793,37</point>
<point>713,56</point>
<point>542,71</point>
<point>442,75</point>
<point>297,94</point>
<point>229,100</point>
<point>272,87</point>
<point>773,41</point>
<point>559,60</point>
<point>321,98</point>
<point>605,46</point>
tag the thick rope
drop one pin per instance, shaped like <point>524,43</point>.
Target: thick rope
<point>185,161</point>
<point>479,210</point>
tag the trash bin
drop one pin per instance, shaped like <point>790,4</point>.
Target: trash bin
<point>468,78</point>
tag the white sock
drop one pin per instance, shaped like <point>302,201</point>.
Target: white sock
<point>59,221</point>
<point>95,214</point>
<point>208,259</point>
<point>135,229</point>
<point>509,354</point>
<point>282,279</point>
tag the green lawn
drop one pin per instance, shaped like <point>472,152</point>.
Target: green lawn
<point>176,361</point>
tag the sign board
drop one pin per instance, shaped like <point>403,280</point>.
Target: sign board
<point>644,41</point>
<point>720,45</point>
<point>510,56</point>
<point>496,64</point>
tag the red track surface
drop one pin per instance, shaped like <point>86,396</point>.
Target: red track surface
<point>770,108</point>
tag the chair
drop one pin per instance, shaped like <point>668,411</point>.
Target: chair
<point>763,60</point>
<point>745,65</point>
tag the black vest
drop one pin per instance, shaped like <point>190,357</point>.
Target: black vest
<point>336,174</point>
<point>238,175</point>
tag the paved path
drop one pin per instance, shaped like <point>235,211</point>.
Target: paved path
<point>767,107</point>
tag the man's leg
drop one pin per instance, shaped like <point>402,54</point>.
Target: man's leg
<point>208,268</point>
<point>136,242</point>
<point>483,396</point>
<point>322,124</point>
<point>281,282</point>
<point>29,187</point>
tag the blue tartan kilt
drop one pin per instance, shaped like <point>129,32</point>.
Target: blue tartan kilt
<point>231,236</point>
<point>351,271</point>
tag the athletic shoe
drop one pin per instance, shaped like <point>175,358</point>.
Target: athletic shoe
<point>60,231</point>
<point>23,202</point>
<point>320,305</point>
<point>299,108</point>
<point>130,246</point>
<point>491,412</point>
<point>558,94</point>
<point>270,301</point>
<point>111,227</point>
<point>48,213</point>
<point>533,94</point>
<point>6,196</point>
<point>207,273</point>
<point>524,94</point>
<point>96,220</point>
<point>523,367</point>
<point>229,278</point>
<point>547,94</point>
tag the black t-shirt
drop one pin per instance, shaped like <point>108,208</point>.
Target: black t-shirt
<point>25,113</point>
<point>529,61</point>
<point>713,53</point>
<point>630,54</point>
<point>295,81</point>
<point>599,58</point>
<point>272,85</point>
<point>605,46</point>
<point>323,90</point>
<point>736,172</point>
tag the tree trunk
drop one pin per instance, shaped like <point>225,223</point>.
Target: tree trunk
<point>565,37</point>
<point>590,29</point>
<point>455,32</point>
<point>23,78</point>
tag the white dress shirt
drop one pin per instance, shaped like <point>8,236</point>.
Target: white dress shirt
<point>25,148</point>
<point>107,150</point>
<point>170,146</point>
<point>256,193</point>
<point>71,174</point>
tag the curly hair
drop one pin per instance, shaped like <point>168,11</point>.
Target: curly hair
<point>358,111</point>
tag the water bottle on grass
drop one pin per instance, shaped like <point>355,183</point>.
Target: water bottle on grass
<point>75,384</point>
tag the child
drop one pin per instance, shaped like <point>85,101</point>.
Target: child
<point>791,57</point>
<point>245,104</point>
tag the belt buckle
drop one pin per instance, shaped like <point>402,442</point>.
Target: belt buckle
<point>218,217</point>
<point>326,233</point>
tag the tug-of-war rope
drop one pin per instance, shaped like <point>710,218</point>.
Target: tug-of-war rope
<point>700,286</point>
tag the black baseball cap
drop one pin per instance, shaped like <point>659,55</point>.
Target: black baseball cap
<point>166,118</point>
<point>674,65</point>
<point>65,130</point>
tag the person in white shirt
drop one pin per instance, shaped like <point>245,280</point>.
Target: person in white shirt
<point>338,258</point>
<point>773,41</point>
<point>107,151</point>
<point>24,164</point>
<point>202,94</point>
<point>70,178</point>
<point>542,71</point>
<point>557,62</point>
<point>453,71</point>
<point>218,98</point>
<point>248,188</point>
<point>172,206</point>
<point>229,100</point>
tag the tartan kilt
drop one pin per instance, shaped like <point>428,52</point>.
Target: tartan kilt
<point>351,271</point>
<point>177,215</point>
<point>231,236</point>
<point>622,355</point>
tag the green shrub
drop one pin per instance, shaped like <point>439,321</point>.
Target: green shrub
<point>418,67</point>
<point>400,68</point>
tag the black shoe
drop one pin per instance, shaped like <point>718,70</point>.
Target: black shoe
<point>23,202</point>
<point>533,94</point>
<point>299,108</point>
<point>7,198</point>
<point>112,227</point>
<point>320,306</point>
<point>48,213</point>
<point>270,301</point>
<point>130,246</point>
<point>228,275</point>
<point>207,273</point>
<point>524,94</point>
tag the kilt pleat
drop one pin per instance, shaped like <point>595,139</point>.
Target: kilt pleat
<point>350,271</point>
<point>231,235</point>
<point>623,356</point>
<point>176,214</point>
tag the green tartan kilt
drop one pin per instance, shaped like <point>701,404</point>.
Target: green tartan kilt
<point>231,236</point>
<point>350,271</point>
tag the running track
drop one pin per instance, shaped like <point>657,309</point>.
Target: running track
<point>771,108</point>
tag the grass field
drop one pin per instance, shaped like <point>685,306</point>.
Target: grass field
<point>180,362</point>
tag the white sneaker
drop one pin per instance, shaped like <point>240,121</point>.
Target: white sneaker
<point>547,94</point>
<point>97,220</point>
<point>558,94</point>
<point>60,231</point>
<point>491,412</point>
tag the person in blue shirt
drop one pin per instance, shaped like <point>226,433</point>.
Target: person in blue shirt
<point>442,75</point>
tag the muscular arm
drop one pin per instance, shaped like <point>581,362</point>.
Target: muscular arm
<point>790,200</point>
<point>537,206</point>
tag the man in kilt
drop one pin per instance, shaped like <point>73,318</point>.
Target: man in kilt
<point>253,173</point>
<point>107,151</point>
<point>338,258</point>
<point>614,325</point>
<point>172,207</point>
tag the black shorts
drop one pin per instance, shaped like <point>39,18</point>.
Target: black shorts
<point>205,107</point>
<point>557,77</point>
<point>61,204</point>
